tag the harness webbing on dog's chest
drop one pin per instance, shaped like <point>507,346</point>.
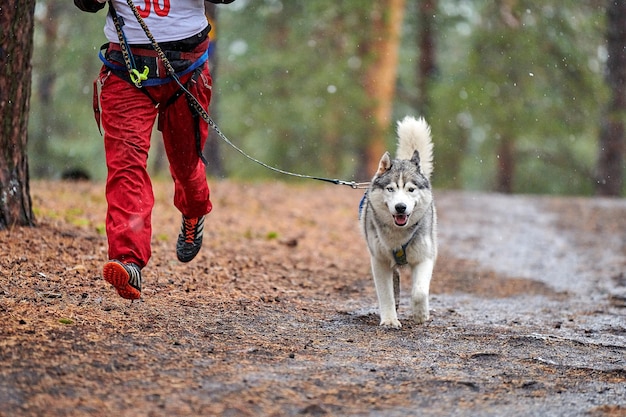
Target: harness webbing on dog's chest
<point>399,255</point>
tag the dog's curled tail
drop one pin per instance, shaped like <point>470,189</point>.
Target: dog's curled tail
<point>414,135</point>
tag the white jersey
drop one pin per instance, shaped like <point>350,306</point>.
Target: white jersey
<point>168,20</point>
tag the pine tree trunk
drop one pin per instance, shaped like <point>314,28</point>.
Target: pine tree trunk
<point>16,48</point>
<point>380,79</point>
<point>506,165</point>
<point>506,144</point>
<point>610,169</point>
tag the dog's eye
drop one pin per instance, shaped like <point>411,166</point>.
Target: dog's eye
<point>390,189</point>
<point>411,189</point>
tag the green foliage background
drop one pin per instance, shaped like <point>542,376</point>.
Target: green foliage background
<point>290,90</point>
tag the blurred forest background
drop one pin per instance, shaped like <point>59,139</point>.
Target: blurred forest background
<point>514,90</point>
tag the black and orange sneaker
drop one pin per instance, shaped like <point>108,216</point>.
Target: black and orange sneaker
<point>190,238</point>
<point>126,278</point>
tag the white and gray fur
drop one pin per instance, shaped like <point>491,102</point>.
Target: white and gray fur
<point>399,212</point>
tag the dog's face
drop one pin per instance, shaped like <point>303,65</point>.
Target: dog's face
<point>400,188</point>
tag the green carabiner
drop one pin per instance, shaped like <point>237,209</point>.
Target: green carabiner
<point>137,77</point>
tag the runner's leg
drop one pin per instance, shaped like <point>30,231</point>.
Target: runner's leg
<point>127,118</point>
<point>191,190</point>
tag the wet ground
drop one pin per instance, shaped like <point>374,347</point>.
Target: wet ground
<point>277,316</point>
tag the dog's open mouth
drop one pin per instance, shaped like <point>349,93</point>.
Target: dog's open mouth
<point>400,219</point>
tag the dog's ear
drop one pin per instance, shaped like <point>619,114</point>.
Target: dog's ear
<point>384,165</point>
<point>416,160</point>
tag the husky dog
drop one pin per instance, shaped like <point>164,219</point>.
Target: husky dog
<point>399,221</point>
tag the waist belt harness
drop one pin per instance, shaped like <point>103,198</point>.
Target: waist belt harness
<point>153,74</point>
<point>153,71</point>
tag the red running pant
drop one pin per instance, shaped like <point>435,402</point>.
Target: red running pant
<point>128,116</point>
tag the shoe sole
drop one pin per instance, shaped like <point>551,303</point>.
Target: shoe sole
<point>116,275</point>
<point>188,257</point>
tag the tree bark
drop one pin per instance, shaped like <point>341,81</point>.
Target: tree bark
<point>16,48</point>
<point>506,165</point>
<point>380,78</point>
<point>610,169</point>
<point>506,151</point>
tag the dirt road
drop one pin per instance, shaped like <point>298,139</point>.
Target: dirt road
<point>277,316</point>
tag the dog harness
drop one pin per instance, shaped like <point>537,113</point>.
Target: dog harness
<point>399,255</point>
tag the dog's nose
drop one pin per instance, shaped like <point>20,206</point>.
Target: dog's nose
<point>400,208</point>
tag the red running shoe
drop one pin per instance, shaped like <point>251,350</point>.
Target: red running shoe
<point>126,278</point>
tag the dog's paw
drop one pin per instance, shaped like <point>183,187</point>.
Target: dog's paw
<point>391,323</point>
<point>420,308</point>
<point>421,317</point>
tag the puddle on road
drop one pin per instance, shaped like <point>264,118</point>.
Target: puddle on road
<point>569,244</point>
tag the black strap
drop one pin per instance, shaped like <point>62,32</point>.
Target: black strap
<point>196,115</point>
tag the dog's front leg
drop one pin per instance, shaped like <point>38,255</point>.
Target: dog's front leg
<point>421,276</point>
<point>383,279</point>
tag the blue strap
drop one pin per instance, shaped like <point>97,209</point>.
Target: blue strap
<point>109,64</point>
<point>151,82</point>
<point>362,204</point>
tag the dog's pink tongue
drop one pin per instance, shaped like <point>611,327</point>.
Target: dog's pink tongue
<point>400,219</point>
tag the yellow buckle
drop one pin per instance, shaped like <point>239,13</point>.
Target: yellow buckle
<point>137,77</point>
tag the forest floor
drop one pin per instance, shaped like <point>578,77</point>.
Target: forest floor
<point>277,316</point>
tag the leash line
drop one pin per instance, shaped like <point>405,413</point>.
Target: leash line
<point>202,112</point>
